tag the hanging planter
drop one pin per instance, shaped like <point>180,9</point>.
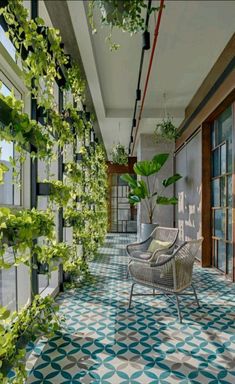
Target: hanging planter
<point>166,130</point>
<point>119,155</point>
<point>126,15</point>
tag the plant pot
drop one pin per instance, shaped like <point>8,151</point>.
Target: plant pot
<point>146,230</point>
<point>67,277</point>
<point>43,268</point>
<point>113,13</point>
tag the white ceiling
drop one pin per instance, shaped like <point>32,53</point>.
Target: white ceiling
<point>191,38</point>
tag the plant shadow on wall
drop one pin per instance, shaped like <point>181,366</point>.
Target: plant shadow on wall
<point>126,15</point>
<point>144,188</point>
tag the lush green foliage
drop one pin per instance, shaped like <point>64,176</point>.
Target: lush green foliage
<point>144,189</point>
<point>166,130</point>
<point>119,155</point>
<point>82,193</point>
<point>126,15</point>
<point>17,329</point>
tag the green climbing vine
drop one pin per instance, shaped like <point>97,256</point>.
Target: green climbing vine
<point>82,193</point>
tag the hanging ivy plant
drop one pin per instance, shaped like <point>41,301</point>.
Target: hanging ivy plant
<point>119,154</point>
<point>126,15</point>
<point>166,130</point>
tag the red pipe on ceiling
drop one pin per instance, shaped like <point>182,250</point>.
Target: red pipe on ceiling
<point>156,32</point>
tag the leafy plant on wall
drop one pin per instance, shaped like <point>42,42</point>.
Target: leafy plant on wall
<point>16,329</point>
<point>39,47</point>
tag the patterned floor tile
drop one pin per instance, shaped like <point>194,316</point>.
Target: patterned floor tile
<point>104,342</point>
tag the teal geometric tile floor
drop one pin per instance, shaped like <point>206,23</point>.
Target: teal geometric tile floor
<point>104,342</point>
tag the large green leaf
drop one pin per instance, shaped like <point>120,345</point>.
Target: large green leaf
<point>134,199</point>
<point>159,160</point>
<point>148,168</point>
<point>167,200</point>
<point>171,180</point>
<point>129,180</point>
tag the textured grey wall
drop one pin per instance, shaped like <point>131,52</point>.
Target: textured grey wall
<point>188,211</point>
<point>147,148</point>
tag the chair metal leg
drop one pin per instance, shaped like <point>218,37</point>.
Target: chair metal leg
<point>178,308</point>
<point>131,293</point>
<point>195,294</point>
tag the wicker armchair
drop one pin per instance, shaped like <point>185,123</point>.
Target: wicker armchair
<point>139,251</point>
<point>171,274</point>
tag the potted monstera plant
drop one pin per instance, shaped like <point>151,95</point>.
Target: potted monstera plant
<point>144,189</point>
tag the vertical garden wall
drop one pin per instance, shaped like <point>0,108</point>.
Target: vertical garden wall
<point>67,219</point>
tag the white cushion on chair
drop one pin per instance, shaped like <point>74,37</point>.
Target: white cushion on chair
<point>144,255</point>
<point>158,244</point>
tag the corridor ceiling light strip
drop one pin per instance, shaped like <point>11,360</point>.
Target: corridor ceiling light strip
<point>138,90</point>
<point>156,32</point>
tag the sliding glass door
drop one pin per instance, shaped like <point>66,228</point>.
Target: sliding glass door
<point>221,187</point>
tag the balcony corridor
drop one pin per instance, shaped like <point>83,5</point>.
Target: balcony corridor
<point>104,342</point>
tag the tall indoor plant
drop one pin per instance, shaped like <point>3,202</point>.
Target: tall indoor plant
<point>144,188</point>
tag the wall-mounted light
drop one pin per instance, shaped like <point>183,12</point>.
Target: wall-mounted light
<point>146,40</point>
<point>134,122</point>
<point>138,94</point>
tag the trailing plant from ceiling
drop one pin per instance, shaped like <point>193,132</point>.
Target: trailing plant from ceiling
<point>119,154</point>
<point>17,329</point>
<point>166,130</point>
<point>126,15</point>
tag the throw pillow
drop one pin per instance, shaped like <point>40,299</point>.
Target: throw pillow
<point>157,245</point>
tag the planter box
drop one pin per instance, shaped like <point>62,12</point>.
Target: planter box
<point>44,189</point>
<point>43,268</point>
<point>79,156</point>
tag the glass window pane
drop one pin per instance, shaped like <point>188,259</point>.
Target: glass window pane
<point>222,255</point>
<point>8,283</point>
<point>215,253</point>
<point>223,192</point>
<point>7,44</point>
<point>229,225</point>
<point>219,223</point>
<point>229,259</point>
<point>215,193</point>
<point>213,136</point>
<point>223,159</point>
<point>229,197</point>
<point>6,189</point>
<point>225,125</point>
<point>216,162</point>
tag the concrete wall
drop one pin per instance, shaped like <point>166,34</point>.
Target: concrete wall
<point>188,212</point>
<point>147,148</point>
